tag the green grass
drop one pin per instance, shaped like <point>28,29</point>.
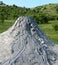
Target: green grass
<point>5,25</point>
<point>47,28</point>
<point>50,31</point>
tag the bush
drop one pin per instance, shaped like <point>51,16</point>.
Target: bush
<point>43,18</point>
<point>2,18</point>
<point>56,27</point>
<point>40,18</point>
<point>36,19</point>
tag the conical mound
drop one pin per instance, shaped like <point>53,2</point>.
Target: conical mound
<point>25,44</point>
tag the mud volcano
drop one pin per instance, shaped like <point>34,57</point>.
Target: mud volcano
<point>25,44</point>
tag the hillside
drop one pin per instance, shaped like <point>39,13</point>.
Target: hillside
<point>42,14</point>
<point>50,10</point>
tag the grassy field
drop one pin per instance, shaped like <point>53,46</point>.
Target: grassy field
<point>50,31</point>
<point>47,28</point>
<point>6,25</point>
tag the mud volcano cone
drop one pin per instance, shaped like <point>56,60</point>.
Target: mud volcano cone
<point>25,44</point>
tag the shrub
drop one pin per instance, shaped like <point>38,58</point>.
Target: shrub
<point>56,27</point>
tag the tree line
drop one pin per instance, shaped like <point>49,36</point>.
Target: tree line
<point>13,12</point>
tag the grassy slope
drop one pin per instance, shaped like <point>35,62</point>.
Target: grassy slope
<point>13,12</point>
<point>50,31</point>
<point>47,28</point>
<point>6,25</point>
<point>49,10</point>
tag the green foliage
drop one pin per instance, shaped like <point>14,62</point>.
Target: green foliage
<point>56,27</point>
<point>2,16</point>
<point>40,18</point>
<point>14,5</point>
<point>42,14</point>
<point>43,18</point>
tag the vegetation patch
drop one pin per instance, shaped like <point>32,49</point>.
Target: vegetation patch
<point>56,27</point>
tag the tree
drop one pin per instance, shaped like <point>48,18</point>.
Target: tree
<point>36,17</point>
<point>2,18</point>
<point>56,27</point>
<point>14,5</point>
<point>1,3</point>
<point>43,18</point>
